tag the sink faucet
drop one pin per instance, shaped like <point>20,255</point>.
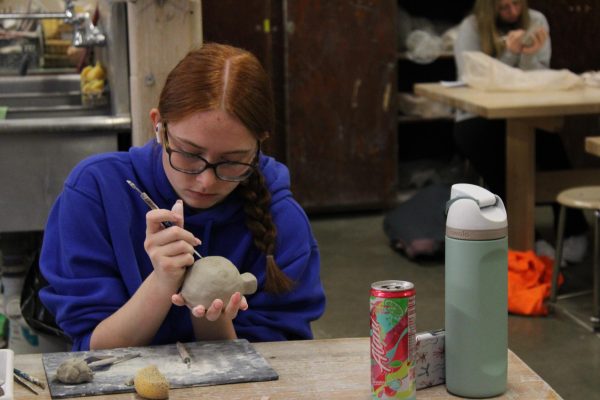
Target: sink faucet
<point>85,33</point>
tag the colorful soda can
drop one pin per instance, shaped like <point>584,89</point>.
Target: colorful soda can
<point>393,340</point>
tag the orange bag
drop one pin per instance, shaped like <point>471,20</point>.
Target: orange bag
<point>529,282</point>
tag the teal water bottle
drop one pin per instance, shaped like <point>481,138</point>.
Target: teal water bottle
<point>476,309</point>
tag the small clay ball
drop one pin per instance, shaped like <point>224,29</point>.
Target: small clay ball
<point>151,384</point>
<point>74,370</point>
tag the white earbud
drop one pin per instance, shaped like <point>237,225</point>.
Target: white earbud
<point>158,129</point>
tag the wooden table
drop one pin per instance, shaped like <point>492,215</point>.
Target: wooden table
<point>524,112</point>
<point>312,369</point>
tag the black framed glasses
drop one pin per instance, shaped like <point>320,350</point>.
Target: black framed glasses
<point>194,164</point>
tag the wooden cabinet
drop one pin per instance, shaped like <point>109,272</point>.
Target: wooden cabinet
<point>574,31</point>
<point>334,71</point>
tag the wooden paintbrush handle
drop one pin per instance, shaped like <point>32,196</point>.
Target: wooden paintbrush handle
<point>185,356</point>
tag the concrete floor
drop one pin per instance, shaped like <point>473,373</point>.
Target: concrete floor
<point>355,253</point>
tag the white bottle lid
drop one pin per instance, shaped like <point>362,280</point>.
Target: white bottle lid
<point>475,213</point>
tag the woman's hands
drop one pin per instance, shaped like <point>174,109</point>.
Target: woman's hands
<point>171,252</point>
<point>538,38</point>
<point>217,323</point>
<point>216,310</point>
<point>514,41</point>
<point>170,249</point>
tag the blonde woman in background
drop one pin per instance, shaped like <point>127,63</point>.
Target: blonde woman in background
<point>518,36</point>
<point>507,30</point>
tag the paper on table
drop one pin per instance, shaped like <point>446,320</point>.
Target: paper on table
<point>483,72</point>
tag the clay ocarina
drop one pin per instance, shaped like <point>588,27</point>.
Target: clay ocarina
<point>213,278</point>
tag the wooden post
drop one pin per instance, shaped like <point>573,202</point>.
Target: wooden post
<point>161,32</point>
<point>520,167</point>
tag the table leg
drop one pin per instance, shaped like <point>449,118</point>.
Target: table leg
<point>595,318</point>
<point>520,183</point>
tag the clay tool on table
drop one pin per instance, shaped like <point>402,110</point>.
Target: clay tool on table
<point>153,206</point>
<point>105,362</point>
<point>29,378</point>
<point>183,353</point>
<point>23,382</point>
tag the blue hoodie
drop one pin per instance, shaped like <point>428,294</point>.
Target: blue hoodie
<point>94,259</point>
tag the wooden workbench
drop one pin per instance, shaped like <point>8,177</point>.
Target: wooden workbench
<point>525,112</point>
<point>313,369</point>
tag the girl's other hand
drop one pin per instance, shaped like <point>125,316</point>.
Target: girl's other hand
<point>539,37</point>
<point>236,303</point>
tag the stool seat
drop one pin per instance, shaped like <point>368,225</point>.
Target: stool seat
<point>588,198</point>
<point>584,197</point>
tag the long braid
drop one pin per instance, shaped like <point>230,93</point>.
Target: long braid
<point>257,201</point>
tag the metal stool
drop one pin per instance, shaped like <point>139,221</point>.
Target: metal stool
<point>585,198</point>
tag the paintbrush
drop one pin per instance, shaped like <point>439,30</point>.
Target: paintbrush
<point>153,206</point>
<point>23,382</point>
<point>29,378</point>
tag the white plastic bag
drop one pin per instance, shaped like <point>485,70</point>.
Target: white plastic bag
<point>486,73</point>
<point>423,47</point>
<point>591,78</point>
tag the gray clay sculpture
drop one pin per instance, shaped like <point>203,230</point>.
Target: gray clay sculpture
<point>74,370</point>
<point>213,278</point>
